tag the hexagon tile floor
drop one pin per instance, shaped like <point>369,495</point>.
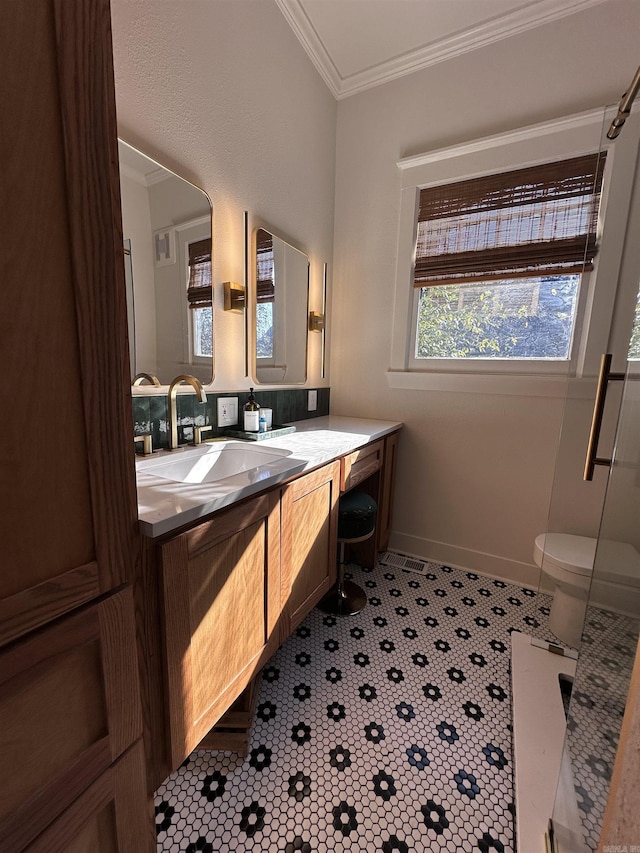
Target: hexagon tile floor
<point>389,730</point>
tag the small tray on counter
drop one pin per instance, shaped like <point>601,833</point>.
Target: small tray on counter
<point>275,432</point>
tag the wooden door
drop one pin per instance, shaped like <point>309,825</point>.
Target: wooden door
<point>69,703</point>
<point>309,537</point>
<point>67,503</point>
<point>221,594</point>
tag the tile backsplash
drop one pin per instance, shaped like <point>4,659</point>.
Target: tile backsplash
<point>150,412</point>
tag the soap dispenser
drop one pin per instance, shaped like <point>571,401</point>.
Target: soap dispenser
<point>251,414</point>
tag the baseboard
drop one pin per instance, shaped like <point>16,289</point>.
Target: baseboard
<point>611,596</point>
<point>492,565</point>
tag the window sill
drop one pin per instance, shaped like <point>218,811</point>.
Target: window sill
<point>521,385</point>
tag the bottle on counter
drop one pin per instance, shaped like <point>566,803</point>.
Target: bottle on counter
<point>263,422</point>
<point>251,414</point>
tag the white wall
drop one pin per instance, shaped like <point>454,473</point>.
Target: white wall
<point>222,93</point>
<point>475,469</point>
<point>136,226</point>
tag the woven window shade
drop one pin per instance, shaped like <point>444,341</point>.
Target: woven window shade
<point>541,220</point>
<point>265,284</point>
<point>199,290</point>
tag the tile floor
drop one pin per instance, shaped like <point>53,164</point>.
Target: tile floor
<point>597,705</point>
<point>389,730</point>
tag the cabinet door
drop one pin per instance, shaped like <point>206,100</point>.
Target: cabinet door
<point>110,817</point>
<point>221,591</point>
<point>386,496</point>
<point>69,706</point>
<point>309,537</point>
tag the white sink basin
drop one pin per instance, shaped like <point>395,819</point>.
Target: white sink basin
<point>215,462</point>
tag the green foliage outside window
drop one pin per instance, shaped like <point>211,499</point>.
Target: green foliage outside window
<point>521,318</point>
<point>634,343</point>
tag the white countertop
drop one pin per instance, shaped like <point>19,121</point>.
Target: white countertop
<point>164,505</point>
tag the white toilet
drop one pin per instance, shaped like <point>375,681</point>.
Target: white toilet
<point>567,562</point>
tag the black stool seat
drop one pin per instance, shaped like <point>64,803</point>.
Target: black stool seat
<point>356,522</point>
<point>356,516</point>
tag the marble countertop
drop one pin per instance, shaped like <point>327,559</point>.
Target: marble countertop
<point>164,505</point>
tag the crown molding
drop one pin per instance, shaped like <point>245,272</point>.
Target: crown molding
<point>306,34</point>
<point>591,118</point>
<point>534,15</point>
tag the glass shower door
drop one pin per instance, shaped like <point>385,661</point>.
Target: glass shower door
<point>609,640</point>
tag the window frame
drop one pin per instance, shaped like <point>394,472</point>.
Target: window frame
<point>559,139</point>
<point>201,226</point>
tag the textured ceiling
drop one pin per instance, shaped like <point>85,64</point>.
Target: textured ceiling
<point>357,44</point>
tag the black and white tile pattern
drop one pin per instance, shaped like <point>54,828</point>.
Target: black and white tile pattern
<point>389,730</point>
<point>598,698</point>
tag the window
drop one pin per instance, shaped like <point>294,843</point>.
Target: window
<point>265,293</point>
<point>499,258</point>
<point>199,296</point>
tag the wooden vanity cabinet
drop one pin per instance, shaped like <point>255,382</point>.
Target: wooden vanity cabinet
<point>221,598</point>
<point>309,537</point>
<point>385,500</point>
<point>371,469</point>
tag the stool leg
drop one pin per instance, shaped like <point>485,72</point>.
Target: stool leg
<point>345,598</point>
<point>340,579</point>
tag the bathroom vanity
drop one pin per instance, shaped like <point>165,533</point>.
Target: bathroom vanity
<point>229,568</point>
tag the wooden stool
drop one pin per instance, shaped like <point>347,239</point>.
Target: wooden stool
<point>356,522</point>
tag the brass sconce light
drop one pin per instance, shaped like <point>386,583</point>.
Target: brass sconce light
<point>234,296</point>
<point>316,321</point>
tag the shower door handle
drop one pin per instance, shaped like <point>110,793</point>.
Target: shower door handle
<point>604,378</point>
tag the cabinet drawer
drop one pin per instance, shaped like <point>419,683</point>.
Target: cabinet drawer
<point>360,464</point>
<point>69,706</point>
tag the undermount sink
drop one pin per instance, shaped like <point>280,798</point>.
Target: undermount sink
<point>214,462</point>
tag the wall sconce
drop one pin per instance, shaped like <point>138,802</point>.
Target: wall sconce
<point>234,296</point>
<point>316,322</point>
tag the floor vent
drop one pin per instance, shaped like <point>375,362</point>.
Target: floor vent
<point>407,564</point>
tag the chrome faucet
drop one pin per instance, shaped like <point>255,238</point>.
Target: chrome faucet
<point>173,417</point>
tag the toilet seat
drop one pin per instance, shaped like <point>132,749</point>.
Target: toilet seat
<point>564,551</point>
<point>618,562</point>
<point>568,561</point>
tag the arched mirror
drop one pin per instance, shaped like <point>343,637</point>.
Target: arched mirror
<point>279,306</point>
<point>167,231</point>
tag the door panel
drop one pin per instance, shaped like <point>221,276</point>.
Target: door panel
<point>69,706</point>
<point>112,816</point>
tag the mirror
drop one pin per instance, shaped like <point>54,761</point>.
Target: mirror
<point>279,305</point>
<point>167,230</point>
